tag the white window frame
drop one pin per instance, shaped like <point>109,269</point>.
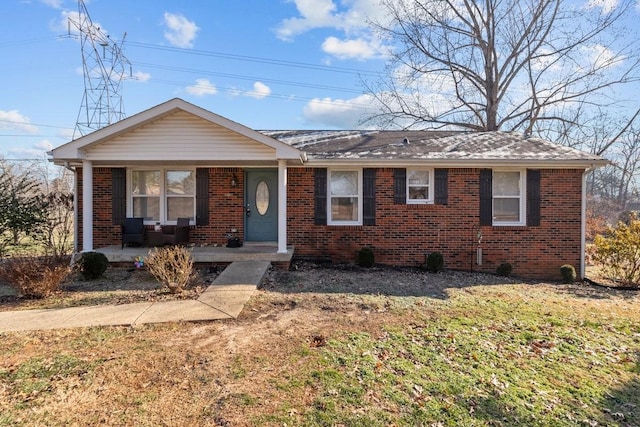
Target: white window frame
<point>162,192</point>
<point>522,205</point>
<point>430,195</point>
<point>330,220</point>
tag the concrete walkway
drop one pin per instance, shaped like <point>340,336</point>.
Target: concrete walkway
<point>223,299</point>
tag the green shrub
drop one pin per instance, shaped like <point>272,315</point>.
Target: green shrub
<point>618,252</point>
<point>504,269</point>
<point>172,266</point>
<point>93,265</point>
<point>568,273</point>
<point>34,277</point>
<point>434,263</point>
<point>365,257</point>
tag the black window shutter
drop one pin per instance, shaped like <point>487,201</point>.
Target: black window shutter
<point>118,195</point>
<point>486,197</point>
<point>202,196</point>
<point>533,197</point>
<point>441,186</point>
<point>399,186</point>
<point>369,196</point>
<point>320,196</point>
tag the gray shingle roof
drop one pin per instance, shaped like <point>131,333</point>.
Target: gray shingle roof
<point>429,145</point>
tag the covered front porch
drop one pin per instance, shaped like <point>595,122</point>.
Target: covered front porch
<point>209,255</point>
<point>177,160</point>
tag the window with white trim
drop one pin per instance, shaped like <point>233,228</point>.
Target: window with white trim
<point>162,195</point>
<point>419,186</point>
<point>345,197</point>
<point>508,189</point>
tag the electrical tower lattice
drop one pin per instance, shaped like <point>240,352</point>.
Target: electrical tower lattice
<point>104,67</point>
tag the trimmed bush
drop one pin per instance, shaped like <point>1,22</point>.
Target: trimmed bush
<point>93,265</point>
<point>172,266</point>
<point>504,269</point>
<point>435,262</point>
<point>34,277</point>
<point>365,257</point>
<point>568,273</point>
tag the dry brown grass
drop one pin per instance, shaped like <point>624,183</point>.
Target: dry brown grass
<point>238,372</point>
<point>34,277</point>
<point>116,286</point>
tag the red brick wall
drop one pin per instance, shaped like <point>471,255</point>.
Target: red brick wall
<point>403,234</point>
<point>226,209</point>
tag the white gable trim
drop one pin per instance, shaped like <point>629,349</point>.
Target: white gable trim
<point>75,150</point>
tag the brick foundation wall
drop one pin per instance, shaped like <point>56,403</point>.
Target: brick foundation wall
<point>403,234</point>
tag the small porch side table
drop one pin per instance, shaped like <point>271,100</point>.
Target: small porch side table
<point>155,238</point>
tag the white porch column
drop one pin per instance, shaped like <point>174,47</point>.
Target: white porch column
<point>282,206</point>
<point>87,206</point>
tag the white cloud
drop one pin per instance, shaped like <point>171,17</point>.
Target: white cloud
<point>141,76</point>
<point>201,88</point>
<point>44,145</point>
<point>601,56</point>
<point>607,6</point>
<point>13,120</point>
<point>339,113</point>
<point>351,17</point>
<point>314,14</point>
<point>351,49</point>
<point>545,58</point>
<point>66,23</point>
<point>66,133</point>
<point>37,150</point>
<point>56,4</point>
<point>260,90</point>
<point>180,31</point>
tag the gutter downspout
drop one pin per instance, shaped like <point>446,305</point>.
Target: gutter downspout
<point>583,222</point>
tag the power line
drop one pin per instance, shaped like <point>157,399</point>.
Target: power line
<point>29,41</point>
<point>243,77</point>
<point>271,95</point>
<point>257,59</point>
<point>35,124</point>
<point>29,136</point>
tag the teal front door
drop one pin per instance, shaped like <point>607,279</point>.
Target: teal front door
<point>261,205</point>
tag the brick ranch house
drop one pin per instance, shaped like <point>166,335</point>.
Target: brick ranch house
<point>327,194</point>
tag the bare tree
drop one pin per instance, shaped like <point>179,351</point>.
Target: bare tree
<point>55,232</point>
<point>502,64</point>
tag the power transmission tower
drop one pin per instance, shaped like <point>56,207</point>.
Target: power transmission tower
<point>104,66</point>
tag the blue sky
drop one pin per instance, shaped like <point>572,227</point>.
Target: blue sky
<point>267,64</point>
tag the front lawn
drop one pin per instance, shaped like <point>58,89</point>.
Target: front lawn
<point>460,354</point>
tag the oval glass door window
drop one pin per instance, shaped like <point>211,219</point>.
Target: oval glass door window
<point>262,197</point>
